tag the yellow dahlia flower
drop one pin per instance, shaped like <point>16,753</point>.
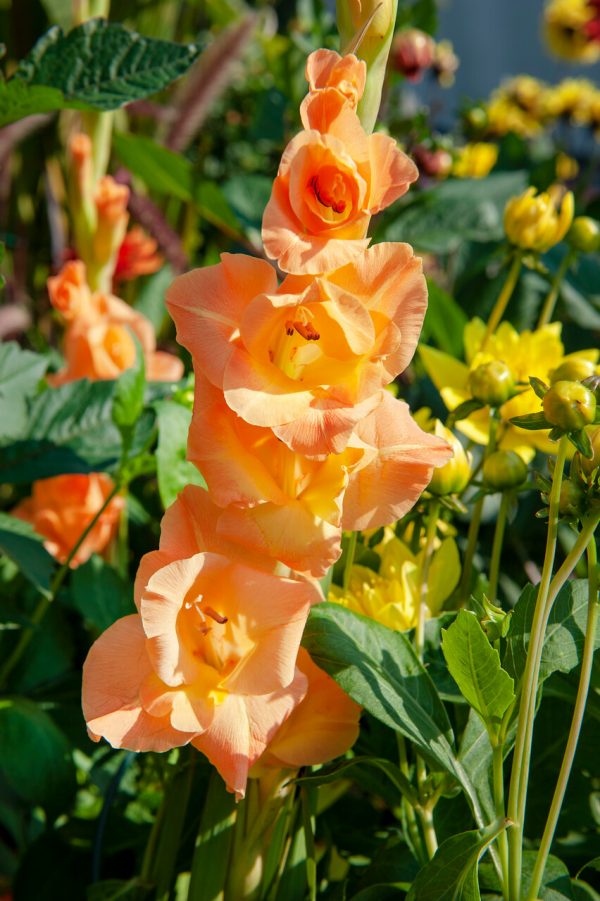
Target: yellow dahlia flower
<point>475,160</point>
<point>538,221</point>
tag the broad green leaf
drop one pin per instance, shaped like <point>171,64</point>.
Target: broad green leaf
<point>174,471</point>
<point>451,875</point>
<point>210,864</point>
<point>214,207</point>
<point>444,321</point>
<point>151,297</point>
<point>441,218</point>
<point>248,196</point>
<point>128,400</point>
<point>563,643</point>
<point>556,882</point>
<point>99,593</point>
<point>60,12</point>
<point>379,669</point>
<point>344,768</point>
<point>475,667</point>
<point>159,168</point>
<point>35,756</point>
<point>18,99</point>
<point>24,546</point>
<point>20,373</point>
<point>475,754</point>
<point>70,429</point>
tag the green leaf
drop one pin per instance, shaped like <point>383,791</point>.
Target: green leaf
<point>128,401</point>
<point>565,635</point>
<point>214,207</point>
<point>160,169</point>
<point>444,321</point>
<point>174,471</point>
<point>247,195</point>
<point>531,421</point>
<point>475,667</point>
<point>465,409</point>
<point>20,374</point>
<point>151,297</point>
<point>379,669</point>
<point>99,593</point>
<point>69,429</point>
<point>343,768</point>
<point>210,864</point>
<point>20,542</point>
<point>581,441</point>
<point>35,756</point>
<point>540,387</point>
<point>18,100</point>
<point>451,875</point>
<point>441,218</point>
<point>476,755</point>
<point>556,883</point>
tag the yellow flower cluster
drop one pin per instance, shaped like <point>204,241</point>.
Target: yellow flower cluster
<point>569,30</point>
<point>392,595</point>
<point>538,353</point>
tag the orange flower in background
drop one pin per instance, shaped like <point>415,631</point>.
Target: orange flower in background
<point>98,342</point>
<point>210,660</point>
<point>326,69</point>
<point>307,358</point>
<point>332,178</point>
<point>323,726</point>
<point>138,255</point>
<point>61,507</point>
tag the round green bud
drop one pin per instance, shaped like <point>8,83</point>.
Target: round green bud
<point>569,405</point>
<point>454,475</point>
<point>584,235</point>
<point>585,465</point>
<point>504,469</point>
<point>574,369</point>
<point>572,497</point>
<point>491,383</point>
<point>476,119</point>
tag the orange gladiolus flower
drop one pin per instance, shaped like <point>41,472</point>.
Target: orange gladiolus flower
<point>306,359</point>
<point>326,69</point>
<point>278,504</point>
<point>323,726</point>
<point>210,659</point>
<point>332,178</point>
<point>61,507</point>
<point>98,341</point>
<point>138,255</point>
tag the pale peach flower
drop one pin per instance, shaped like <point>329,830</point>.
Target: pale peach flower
<point>326,69</point>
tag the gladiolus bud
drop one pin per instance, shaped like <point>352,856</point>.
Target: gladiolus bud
<point>492,383</point>
<point>584,235</point>
<point>503,470</point>
<point>435,163</point>
<point>111,205</point>
<point>412,53</point>
<point>538,222</point>
<point>454,475</point>
<point>569,405</point>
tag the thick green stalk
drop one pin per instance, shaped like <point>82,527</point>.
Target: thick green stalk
<point>498,787</point>
<point>503,298</point>
<point>45,602</point>
<point>550,301</point>
<point>520,766</point>
<point>497,549</point>
<point>578,713</point>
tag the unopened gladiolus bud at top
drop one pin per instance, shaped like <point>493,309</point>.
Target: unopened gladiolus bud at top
<point>412,53</point>
<point>60,509</point>
<point>538,221</point>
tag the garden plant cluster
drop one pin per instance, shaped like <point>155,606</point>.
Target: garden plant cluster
<point>299,458</point>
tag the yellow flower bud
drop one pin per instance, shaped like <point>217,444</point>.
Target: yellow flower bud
<point>453,477</point>
<point>572,369</point>
<point>538,222</point>
<point>475,160</point>
<point>492,383</point>
<point>569,405</point>
<point>504,469</point>
<point>584,235</point>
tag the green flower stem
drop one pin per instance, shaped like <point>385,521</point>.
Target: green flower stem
<point>498,787</point>
<point>578,712</point>
<point>497,550</point>
<point>520,766</point>
<point>475,523</point>
<point>503,298</point>
<point>350,552</point>
<point>550,301</point>
<point>409,810</point>
<point>432,521</point>
<point>47,599</point>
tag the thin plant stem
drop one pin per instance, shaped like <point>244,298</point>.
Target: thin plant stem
<point>497,549</point>
<point>47,599</point>
<point>475,523</point>
<point>350,552</point>
<point>520,765</point>
<point>576,722</point>
<point>409,810</point>
<point>498,787</point>
<point>503,298</point>
<point>552,296</point>
<point>432,522</point>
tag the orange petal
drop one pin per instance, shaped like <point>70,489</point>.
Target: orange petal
<point>392,172</point>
